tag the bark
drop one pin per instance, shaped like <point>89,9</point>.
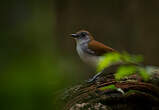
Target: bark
<point>138,94</point>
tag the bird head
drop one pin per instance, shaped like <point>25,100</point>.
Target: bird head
<point>82,36</point>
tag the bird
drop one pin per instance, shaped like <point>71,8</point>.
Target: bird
<point>90,50</point>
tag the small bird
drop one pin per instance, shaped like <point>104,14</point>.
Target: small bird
<point>90,50</point>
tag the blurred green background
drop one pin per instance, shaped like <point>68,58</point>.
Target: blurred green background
<point>37,60</point>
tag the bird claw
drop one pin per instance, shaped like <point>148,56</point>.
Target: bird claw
<point>91,80</point>
<point>95,77</point>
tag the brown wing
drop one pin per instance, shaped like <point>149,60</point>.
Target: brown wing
<point>99,48</point>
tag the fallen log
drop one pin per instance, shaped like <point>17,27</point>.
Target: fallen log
<point>131,93</point>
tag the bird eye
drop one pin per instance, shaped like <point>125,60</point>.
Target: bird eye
<point>83,34</point>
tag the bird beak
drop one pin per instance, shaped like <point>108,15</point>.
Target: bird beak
<point>74,35</point>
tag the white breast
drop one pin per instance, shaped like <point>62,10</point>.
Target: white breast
<point>87,58</point>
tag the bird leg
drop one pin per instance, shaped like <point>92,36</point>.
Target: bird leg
<point>95,77</point>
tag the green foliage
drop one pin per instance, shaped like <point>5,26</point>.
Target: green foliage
<point>112,87</point>
<point>109,59</point>
<point>114,58</point>
<point>144,73</point>
<point>124,71</point>
<point>127,58</point>
<point>130,65</point>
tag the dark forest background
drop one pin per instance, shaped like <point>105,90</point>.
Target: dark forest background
<point>38,60</point>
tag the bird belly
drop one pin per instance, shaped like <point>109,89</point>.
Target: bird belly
<point>88,58</point>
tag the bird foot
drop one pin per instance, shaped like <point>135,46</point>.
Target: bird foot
<point>95,77</point>
<point>91,80</point>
